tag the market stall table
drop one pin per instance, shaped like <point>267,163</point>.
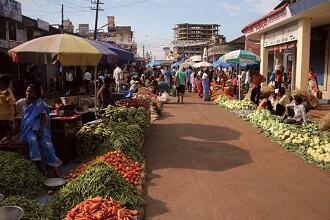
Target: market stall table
<point>64,130</point>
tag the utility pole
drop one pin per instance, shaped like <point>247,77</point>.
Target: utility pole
<point>62,21</point>
<point>143,51</point>
<point>97,9</point>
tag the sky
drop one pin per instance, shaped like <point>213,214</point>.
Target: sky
<point>153,20</point>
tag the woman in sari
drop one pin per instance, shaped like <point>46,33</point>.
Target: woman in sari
<point>35,130</point>
<point>206,86</point>
<point>312,82</point>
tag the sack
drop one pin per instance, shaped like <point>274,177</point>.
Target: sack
<point>313,101</point>
<point>299,92</point>
<point>325,123</point>
<point>266,91</point>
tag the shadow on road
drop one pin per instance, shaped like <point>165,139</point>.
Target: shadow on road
<point>190,146</point>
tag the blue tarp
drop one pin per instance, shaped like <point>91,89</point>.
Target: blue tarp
<point>155,63</point>
<point>108,56</point>
<point>177,64</point>
<point>221,63</point>
<point>124,56</point>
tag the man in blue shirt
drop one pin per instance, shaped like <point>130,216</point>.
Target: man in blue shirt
<point>168,75</point>
<point>188,73</point>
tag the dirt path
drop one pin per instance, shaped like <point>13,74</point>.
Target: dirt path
<point>204,163</point>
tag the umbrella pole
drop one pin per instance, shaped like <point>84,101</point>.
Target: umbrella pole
<point>239,81</point>
<point>95,92</point>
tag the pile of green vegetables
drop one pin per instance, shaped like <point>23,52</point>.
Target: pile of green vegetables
<point>125,138</point>
<point>98,180</point>
<point>92,135</point>
<point>232,104</point>
<point>19,177</point>
<point>305,140</point>
<point>32,209</point>
<point>131,115</point>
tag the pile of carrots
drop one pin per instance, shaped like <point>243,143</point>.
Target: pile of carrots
<point>127,168</point>
<point>99,209</point>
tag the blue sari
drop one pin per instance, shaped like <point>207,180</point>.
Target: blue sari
<point>206,89</point>
<point>38,149</point>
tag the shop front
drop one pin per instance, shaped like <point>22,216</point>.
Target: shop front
<point>295,37</point>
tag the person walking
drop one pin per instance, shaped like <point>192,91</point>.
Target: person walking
<point>180,83</point>
<point>188,74</point>
<point>206,86</point>
<point>118,76</point>
<point>257,79</point>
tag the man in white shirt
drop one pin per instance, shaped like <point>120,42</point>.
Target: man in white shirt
<point>87,80</point>
<point>118,75</point>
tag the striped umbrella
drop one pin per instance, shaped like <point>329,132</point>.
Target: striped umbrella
<point>240,56</point>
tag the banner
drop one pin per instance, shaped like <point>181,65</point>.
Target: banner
<point>11,9</point>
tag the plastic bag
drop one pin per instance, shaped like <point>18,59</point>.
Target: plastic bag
<point>165,97</point>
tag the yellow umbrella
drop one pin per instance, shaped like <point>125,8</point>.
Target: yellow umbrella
<point>69,50</point>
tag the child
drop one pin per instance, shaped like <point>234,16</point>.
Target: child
<point>7,108</point>
<point>299,112</point>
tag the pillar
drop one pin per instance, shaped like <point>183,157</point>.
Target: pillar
<point>263,57</point>
<point>303,53</point>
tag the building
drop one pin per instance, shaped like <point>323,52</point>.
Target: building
<point>216,49</point>
<point>16,29</point>
<point>83,30</point>
<point>68,26</point>
<point>295,35</point>
<point>121,35</point>
<point>191,39</point>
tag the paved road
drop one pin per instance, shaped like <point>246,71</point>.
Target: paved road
<point>204,163</point>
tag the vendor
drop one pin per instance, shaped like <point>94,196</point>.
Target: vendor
<point>104,95</point>
<point>163,85</point>
<point>35,130</point>
<point>299,116</point>
<point>7,109</point>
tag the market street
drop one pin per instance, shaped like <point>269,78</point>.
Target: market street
<point>205,163</point>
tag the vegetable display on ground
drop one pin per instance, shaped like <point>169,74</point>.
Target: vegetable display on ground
<point>127,168</point>
<point>99,208</point>
<point>19,177</point>
<point>33,210</point>
<point>99,179</point>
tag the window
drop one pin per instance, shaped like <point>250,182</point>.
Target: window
<point>2,29</point>
<point>12,30</point>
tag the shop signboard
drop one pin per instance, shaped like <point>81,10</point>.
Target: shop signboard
<point>11,9</point>
<point>284,35</point>
<point>43,25</point>
<point>269,20</point>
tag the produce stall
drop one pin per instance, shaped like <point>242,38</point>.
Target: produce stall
<point>306,140</point>
<point>107,184</point>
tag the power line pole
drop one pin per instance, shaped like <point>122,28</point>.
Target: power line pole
<point>62,21</point>
<point>143,50</point>
<point>97,9</point>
